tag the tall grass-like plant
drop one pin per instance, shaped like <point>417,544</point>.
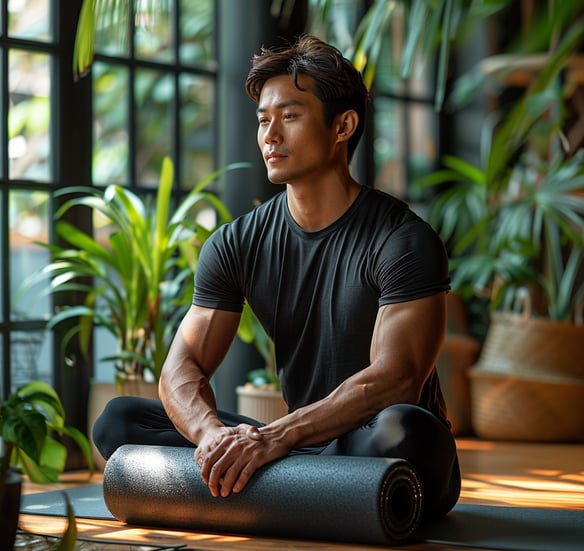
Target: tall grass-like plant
<point>139,285</point>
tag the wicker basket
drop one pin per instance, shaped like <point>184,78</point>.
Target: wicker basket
<point>517,407</point>
<point>524,345</point>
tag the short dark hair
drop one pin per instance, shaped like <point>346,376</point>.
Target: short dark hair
<point>337,83</point>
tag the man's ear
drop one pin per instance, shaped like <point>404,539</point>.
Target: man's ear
<point>347,124</point>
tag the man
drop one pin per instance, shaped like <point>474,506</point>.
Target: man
<point>349,283</point>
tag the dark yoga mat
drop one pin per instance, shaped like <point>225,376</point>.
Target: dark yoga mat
<point>349,499</point>
<point>484,526</point>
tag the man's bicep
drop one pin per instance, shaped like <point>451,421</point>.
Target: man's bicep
<point>205,335</point>
<point>409,335</point>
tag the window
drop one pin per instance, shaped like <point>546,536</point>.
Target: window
<point>153,97</point>
<point>405,121</point>
<point>28,58</point>
<point>145,98</point>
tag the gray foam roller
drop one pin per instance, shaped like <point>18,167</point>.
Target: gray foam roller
<point>353,499</point>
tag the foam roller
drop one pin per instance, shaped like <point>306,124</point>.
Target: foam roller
<point>370,500</point>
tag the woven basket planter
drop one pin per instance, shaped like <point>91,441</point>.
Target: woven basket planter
<point>523,345</point>
<point>528,383</point>
<point>516,407</point>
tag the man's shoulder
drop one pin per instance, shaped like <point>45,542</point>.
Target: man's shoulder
<point>385,207</point>
<point>243,230</point>
<point>260,212</point>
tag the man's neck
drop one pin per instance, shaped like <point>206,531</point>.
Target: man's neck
<point>316,206</point>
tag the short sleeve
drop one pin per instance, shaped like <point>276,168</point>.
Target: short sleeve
<point>216,277</point>
<point>412,264</point>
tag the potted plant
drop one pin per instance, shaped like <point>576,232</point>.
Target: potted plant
<point>523,249</point>
<point>137,279</point>
<point>29,419</point>
<point>516,231</point>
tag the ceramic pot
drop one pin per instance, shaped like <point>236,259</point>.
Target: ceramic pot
<point>10,510</point>
<point>261,404</point>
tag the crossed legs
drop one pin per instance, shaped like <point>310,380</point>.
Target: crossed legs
<point>400,431</point>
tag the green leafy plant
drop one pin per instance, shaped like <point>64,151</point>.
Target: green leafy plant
<point>428,32</point>
<point>515,224</point>
<point>520,244</point>
<point>30,420</point>
<point>139,284</point>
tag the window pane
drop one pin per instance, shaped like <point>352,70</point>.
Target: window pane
<point>111,29</point>
<point>31,349</point>
<point>30,357</point>
<point>30,19</point>
<point>196,129</point>
<point>153,38</point>
<point>154,129</point>
<point>29,116</point>
<point>196,32</point>
<point>389,146</point>
<point>28,222</point>
<point>110,127</point>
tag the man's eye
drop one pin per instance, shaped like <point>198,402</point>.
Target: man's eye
<point>263,121</point>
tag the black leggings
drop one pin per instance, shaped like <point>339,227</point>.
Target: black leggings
<point>399,431</point>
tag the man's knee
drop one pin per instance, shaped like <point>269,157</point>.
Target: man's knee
<point>415,434</point>
<point>406,428</point>
<point>113,425</point>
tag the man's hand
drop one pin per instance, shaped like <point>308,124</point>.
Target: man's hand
<point>229,456</point>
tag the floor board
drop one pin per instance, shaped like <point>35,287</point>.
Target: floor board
<point>494,473</point>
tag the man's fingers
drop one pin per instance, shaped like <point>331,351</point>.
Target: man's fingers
<point>227,462</point>
<point>208,456</point>
<point>236,477</point>
<point>254,433</point>
<point>244,476</point>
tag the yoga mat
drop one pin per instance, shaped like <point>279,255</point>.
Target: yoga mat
<point>483,526</point>
<point>509,528</point>
<point>349,499</point>
<point>87,502</point>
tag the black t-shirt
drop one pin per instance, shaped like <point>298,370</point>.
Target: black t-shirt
<point>318,293</point>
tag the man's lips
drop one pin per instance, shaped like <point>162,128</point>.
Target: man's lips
<point>274,157</point>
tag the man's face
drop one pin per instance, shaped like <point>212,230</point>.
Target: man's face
<point>292,135</point>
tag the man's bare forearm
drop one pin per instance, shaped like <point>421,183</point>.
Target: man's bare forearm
<point>189,403</point>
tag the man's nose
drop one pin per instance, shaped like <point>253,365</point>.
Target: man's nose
<point>272,133</point>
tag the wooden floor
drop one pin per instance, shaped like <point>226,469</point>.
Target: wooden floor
<point>494,473</point>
